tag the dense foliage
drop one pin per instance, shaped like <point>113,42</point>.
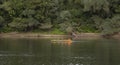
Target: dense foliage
<point>60,15</point>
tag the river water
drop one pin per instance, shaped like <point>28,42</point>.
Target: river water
<point>45,52</point>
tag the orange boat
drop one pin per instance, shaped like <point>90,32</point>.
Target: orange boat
<point>69,41</point>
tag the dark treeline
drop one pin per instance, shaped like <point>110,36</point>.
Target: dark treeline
<point>60,15</point>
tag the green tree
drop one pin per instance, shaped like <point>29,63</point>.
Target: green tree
<point>1,21</point>
<point>24,24</point>
<point>111,26</point>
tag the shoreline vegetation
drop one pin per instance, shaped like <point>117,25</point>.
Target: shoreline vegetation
<point>41,35</point>
<point>59,16</point>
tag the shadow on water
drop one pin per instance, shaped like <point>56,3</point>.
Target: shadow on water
<point>44,52</point>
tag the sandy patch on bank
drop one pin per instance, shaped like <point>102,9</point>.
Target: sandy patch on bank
<point>39,35</point>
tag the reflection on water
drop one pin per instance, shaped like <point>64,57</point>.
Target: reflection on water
<point>44,52</point>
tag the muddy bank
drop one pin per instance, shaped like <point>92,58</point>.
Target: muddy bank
<point>39,35</point>
<point>28,35</point>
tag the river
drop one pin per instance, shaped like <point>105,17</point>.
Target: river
<point>45,52</point>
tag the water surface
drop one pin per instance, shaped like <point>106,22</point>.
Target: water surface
<point>44,52</point>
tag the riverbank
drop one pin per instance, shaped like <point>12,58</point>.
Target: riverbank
<point>39,35</point>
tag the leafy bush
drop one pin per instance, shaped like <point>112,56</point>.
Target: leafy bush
<point>111,26</point>
<point>57,31</point>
